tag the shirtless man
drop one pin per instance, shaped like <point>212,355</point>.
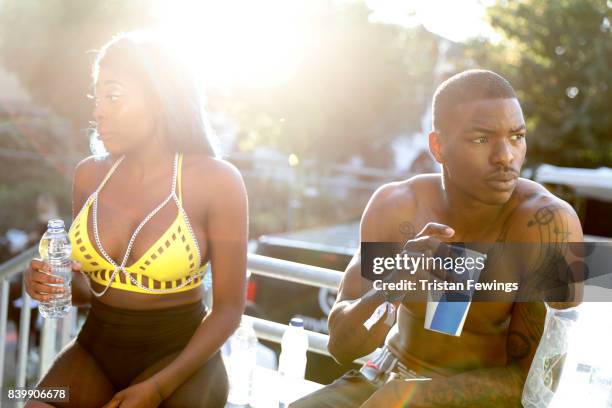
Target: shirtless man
<point>479,139</point>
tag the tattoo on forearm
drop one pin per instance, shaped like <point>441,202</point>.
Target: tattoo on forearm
<point>532,314</point>
<point>522,342</point>
<point>518,346</point>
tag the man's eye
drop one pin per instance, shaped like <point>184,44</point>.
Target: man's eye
<point>480,140</point>
<point>113,98</point>
<point>517,137</point>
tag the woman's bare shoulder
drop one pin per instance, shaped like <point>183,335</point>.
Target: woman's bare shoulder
<point>90,171</point>
<point>211,169</point>
<point>208,180</point>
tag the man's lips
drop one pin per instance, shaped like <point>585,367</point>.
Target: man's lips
<point>502,178</point>
<point>504,181</point>
<point>504,175</point>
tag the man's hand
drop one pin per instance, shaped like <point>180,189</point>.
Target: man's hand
<point>142,395</point>
<point>427,242</point>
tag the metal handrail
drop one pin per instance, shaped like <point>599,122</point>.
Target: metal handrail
<point>18,263</point>
<point>294,272</point>
<point>317,342</point>
<point>48,338</point>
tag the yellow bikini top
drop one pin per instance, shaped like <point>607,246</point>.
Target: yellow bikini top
<point>171,265</point>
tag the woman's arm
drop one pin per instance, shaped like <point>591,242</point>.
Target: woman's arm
<point>226,233</point>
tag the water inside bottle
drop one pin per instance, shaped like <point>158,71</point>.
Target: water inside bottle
<point>55,249</point>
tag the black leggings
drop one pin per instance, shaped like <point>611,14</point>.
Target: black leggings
<point>125,342</point>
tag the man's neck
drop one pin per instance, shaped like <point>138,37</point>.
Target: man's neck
<point>468,216</point>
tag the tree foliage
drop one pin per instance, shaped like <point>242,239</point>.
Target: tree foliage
<point>49,46</point>
<point>557,54</point>
<point>360,85</point>
<point>46,45</point>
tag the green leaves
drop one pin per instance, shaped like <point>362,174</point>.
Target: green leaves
<point>557,54</point>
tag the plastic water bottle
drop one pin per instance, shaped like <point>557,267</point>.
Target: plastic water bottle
<point>55,249</point>
<point>292,361</point>
<point>241,364</point>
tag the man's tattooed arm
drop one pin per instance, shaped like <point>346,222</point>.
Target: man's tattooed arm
<point>554,268</point>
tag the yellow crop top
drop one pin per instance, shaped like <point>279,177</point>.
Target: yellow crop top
<point>171,265</point>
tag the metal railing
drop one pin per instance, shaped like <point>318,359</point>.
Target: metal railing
<point>50,346</point>
<point>7,271</point>
<point>294,272</point>
<point>298,273</point>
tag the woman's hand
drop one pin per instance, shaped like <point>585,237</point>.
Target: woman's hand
<point>141,395</point>
<point>39,281</point>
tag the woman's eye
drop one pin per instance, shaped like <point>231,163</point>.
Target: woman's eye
<point>94,99</point>
<point>480,140</point>
<point>113,98</point>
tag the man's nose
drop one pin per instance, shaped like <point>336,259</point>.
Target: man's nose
<point>502,154</point>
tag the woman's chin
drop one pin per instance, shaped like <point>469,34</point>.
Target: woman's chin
<point>114,149</point>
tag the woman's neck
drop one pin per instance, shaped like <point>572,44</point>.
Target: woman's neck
<point>140,162</point>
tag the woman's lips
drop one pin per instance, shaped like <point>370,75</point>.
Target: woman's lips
<point>104,136</point>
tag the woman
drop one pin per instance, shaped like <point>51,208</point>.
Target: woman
<point>148,219</point>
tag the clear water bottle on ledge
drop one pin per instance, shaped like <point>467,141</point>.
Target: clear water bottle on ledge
<point>294,345</point>
<point>292,361</point>
<point>241,365</point>
<point>55,249</point>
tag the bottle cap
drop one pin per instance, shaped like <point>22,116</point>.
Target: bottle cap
<point>296,322</point>
<point>56,223</point>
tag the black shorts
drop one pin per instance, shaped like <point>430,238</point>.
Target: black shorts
<point>125,342</point>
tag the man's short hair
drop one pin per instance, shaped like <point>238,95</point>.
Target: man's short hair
<point>467,86</point>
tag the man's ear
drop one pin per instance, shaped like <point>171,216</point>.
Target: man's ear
<point>435,146</point>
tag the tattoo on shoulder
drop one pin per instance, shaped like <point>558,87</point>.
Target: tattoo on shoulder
<point>406,228</point>
<point>543,216</point>
<point>552,225</point>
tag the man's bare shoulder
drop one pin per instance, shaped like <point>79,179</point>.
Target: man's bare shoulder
<point>393,207</point>
<point>402,195</point>
<point>540,216</point>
